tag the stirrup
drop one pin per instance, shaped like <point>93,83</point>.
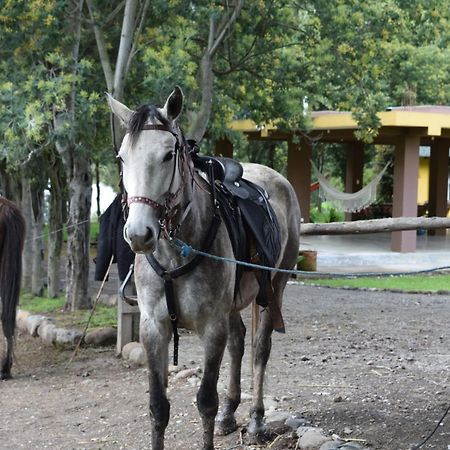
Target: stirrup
<point>130,299</point>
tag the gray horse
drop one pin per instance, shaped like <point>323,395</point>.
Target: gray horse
<point>166,195</point>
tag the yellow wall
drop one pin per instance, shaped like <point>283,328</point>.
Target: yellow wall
<point>424,176</point>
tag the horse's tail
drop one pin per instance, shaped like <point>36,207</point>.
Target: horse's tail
<point>12,236</point>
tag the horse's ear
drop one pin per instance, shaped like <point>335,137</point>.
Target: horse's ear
<point>174,103</point>
<point>120,110</point>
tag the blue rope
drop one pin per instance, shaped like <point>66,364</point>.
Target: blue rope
<point>186,250</point>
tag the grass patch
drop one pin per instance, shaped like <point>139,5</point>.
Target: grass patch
<point>407,283</point>
<point>104,316</point>
<point>40,305</point>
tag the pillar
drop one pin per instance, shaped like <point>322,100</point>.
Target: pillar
<point>438,183</point>
<point>299,173</point>
<point>354,170</point>
<point>224,147</point>
<point>406,173</point>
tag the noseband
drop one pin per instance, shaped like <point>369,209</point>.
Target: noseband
<point>166,208</point>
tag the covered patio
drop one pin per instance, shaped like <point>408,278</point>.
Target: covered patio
<point>405,128</point>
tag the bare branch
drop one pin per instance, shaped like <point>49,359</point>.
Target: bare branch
<point>142,15</point>
<point>126,39</point>
<point>221,36</point>
<point>102,50</point>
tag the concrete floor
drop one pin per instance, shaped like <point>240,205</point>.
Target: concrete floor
<point>371,252</point>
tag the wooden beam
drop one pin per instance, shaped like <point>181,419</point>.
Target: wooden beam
<point>375,225</point>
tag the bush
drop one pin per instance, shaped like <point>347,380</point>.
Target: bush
<point>326,213</point>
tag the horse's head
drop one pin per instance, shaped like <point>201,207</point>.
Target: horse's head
<point>151,168</point>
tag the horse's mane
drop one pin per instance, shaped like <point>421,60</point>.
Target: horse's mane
<point>141,117</point>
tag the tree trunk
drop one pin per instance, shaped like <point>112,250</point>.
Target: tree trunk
<point>56,219</point>
<point>27,255</point>
<point>38,273</point>
<point>217,35</point>
<point>78,174</point>
<point>78,231</point>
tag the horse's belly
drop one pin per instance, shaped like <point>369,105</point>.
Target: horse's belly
<point>248,290</point>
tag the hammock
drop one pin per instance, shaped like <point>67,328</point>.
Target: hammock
<point>349,202</point>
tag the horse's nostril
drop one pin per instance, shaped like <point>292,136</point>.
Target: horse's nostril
<point>148,235</point>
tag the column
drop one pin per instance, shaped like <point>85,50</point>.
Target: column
<point>224,147</point>
<point>299,173</point>
<point>354,170</point>
<point>406,173</point>
<point>438,183</point>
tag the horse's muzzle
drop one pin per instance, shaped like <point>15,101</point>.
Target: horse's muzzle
<point>140,242</point>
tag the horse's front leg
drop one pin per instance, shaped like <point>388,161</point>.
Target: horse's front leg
<point>156,341</point>
<point>214,339</point>
<point>226,421</point>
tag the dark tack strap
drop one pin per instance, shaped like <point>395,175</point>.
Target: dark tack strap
<point>172,310</point>
<point>169,276</point>
<point>157,127</point>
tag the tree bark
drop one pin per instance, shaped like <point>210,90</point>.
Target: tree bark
<point>374,225</point>
<point>27,255</point>
<point>38,273</point>
<point>78,231</point>
<point>56,219</point>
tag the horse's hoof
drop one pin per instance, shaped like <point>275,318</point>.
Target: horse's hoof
<point>257,431</point>
<point>259,438</point>
<point>226,425</point>
<point>5,376</point>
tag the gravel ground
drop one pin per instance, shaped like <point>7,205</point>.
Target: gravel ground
<point>366,365</point>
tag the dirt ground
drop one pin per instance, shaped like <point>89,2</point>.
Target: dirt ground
<point>366,365</point>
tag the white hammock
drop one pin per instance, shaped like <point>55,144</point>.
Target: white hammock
<point>345,201</point>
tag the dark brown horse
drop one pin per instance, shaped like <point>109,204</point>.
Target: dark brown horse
<point>12,236</point>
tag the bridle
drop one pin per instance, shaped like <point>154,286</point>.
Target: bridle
<point>169,208</point>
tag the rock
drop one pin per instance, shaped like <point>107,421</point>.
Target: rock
<point>128,348</point>
<point>311,439</point>
<point>137,356</point>
<point>187,373</point>
<point>295,422</point>
<point>33,323</point>
<point>351,446</point>
<point>21,320</point>
<point>331,445</point>
<point>271,403</point>
<point>47,332</point>
<point>175,369</point>
<point>277,416</point>
<point>69,338</point>
<point>102,337</point>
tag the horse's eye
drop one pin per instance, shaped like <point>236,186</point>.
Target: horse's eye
<point>169,156</point>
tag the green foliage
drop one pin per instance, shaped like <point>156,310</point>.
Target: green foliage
<point>326,213</point>
<point>410,283</point>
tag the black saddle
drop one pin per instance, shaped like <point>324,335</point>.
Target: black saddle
<point>248,216</point>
